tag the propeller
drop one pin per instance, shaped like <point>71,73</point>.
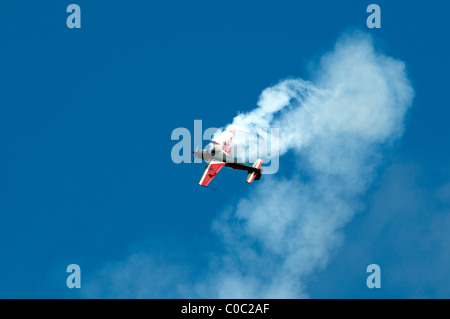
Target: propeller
<point>194,153</point>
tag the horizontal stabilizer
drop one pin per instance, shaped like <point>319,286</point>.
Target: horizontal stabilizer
<point>256,173</point>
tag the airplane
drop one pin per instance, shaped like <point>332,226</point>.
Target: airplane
<point>218,156</point>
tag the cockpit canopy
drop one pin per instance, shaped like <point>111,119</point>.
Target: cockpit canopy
<point>214,149</point>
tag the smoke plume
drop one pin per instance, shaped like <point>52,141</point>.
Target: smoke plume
<point>334,130</point>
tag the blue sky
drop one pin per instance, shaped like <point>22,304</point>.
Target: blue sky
<point>86,117</point>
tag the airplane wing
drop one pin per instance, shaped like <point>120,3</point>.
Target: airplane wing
<point>210,172</point>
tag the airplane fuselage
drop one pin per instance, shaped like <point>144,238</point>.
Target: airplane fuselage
<point>219,155</point>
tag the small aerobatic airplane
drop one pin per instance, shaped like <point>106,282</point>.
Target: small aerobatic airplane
<point>218,156</point>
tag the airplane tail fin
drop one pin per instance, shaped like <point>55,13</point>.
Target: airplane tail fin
<point>255,174</point>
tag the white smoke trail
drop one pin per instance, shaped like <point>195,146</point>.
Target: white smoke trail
<point>337,128</point>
